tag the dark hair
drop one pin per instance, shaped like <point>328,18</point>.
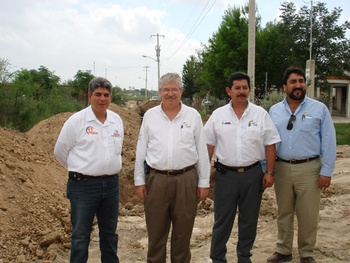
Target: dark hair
<point>291,70</point>
<point>237,76</point>
<point>99,82</point>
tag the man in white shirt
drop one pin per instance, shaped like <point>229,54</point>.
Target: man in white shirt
<point>172,171</point>
<point>242,134</point>
<point>89,147</point>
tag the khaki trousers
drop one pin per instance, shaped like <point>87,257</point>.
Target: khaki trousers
<point>297,193</point>
<point>171,200</point>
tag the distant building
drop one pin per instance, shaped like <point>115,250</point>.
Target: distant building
<point>340,94</point>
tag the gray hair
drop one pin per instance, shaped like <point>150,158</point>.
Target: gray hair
<point>170,77</point>
<point>99,82</point>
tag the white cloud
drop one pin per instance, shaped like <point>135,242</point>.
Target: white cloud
<point>109,37</point>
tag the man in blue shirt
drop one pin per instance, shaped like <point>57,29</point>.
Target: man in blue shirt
<point>305,163</point>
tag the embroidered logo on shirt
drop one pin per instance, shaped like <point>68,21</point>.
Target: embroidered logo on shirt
<point>185,125</point>
<point>306,115</point>
<point>116,134</point>
<point>225,123</point>
<point>90,130</point>
<point>252,123</point>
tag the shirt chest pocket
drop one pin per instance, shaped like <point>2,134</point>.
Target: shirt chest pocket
<point>115,145</point>
<point>309,124</point>
<point>253,134</point>
<point>186,136</point>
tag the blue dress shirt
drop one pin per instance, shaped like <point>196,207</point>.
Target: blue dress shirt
<point>312,134</point>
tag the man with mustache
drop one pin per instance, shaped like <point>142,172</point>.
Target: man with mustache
<point>305,163</point>
<point>242,134</point>
<point>172,171</point>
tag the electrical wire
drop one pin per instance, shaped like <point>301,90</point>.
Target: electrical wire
<point>194,28</point>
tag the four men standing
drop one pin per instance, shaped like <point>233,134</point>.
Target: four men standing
<point>172,169</point>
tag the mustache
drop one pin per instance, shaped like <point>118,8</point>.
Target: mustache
<point>242,95</point>
<point>300,89</point>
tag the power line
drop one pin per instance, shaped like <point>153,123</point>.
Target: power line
<point>194,28</point>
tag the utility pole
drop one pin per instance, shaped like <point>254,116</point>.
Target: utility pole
<point>146,67</point>
<point>158,54</point>
<point>310,64</point>
<point>251,48</point>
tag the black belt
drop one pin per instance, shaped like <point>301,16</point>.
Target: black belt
<point>223,168</point>
<point>79,176</point>
<point>293,161</point>
<point>174,172</point>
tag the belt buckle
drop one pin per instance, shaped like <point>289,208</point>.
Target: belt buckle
<point>240,170</point>
<point>169,172</point>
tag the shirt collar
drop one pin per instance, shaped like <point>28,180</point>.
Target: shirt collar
<point>247,109</point>
<point>286,105</point>
<point>92,117</point>
<point>180,111</point>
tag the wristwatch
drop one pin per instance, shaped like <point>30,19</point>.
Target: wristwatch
<point>270,172</point>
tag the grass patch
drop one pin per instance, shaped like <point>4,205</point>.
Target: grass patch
<point>343,133</point>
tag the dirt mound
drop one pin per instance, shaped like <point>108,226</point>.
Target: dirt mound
<point>147,104</point>
<point>34,210</point>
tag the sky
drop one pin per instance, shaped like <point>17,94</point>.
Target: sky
<point>111,37</point>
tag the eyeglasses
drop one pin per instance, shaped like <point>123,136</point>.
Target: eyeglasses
<point>290,123</point>
<point>166,90</point>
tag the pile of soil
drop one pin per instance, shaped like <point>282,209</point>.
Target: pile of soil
<point>34,210</point>
<point>147,104</point>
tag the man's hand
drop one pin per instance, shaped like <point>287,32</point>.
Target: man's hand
<point>323,182</point>
<point>202,193</point>
<point>268,180</point>
<point>141,191</point>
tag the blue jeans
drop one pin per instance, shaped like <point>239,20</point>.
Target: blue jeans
<point>90,197</point>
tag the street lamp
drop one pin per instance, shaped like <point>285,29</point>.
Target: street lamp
<point>146,82</point>
<point>156,60</point>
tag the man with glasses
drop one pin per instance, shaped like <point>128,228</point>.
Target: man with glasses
<point>172,171</point>
<point>89,147</point>
<point>242,134</point>
<point>305,163</point>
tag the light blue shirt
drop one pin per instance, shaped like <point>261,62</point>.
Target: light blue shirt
<point>313,133</point>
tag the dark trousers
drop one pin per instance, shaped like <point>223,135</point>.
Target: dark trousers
<point>242,191</point>
<point>89,197</point>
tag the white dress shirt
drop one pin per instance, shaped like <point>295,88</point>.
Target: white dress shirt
<point>240,142</point>
<point>172,145</point>
<point>87,146</point>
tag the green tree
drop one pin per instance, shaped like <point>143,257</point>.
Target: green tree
<point>279,45</point>
<point>226,52</point>
<point>45,78</point>
<point>5,74</point>
<point>117,96</point>
<point>35,83</point>
<point>329,45</point>
<point>190,78</point>
<point>267,50</point>
<point>32,96</point>
<point>80,85</point>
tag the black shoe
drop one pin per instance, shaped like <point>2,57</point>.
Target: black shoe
<point>279,258</point>
<point>307,260</point>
